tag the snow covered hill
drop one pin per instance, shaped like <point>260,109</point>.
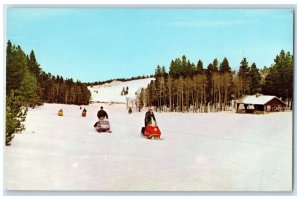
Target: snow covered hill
<point>200,152</point>
<point>111,92</point>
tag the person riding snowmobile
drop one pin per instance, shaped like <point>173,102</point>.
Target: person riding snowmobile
<point>102,125</point>
<point>151,130</point>
<point>84,112</point>
<point>149,116</point>
<point>60,112</point>
<point>102,114</point>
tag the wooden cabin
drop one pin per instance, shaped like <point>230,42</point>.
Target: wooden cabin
<point>259,104</point>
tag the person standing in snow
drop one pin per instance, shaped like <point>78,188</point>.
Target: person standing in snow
<point>102,114</point>
<point>149,117</point>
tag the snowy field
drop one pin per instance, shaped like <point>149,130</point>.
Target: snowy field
<point>200,152</point>
<point>111,92</point>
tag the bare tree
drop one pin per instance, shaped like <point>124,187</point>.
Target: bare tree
<point>169,86</point>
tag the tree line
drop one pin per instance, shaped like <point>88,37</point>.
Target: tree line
<point>189,87</point>
<point>119,79</point>
<point>27,85</point>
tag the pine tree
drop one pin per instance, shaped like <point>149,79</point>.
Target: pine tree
<point>244,69</point>
<point>175,68</point>
<point>164,73</point>
<point>15,116</point>
<point>33,66</point>
<point>27,90</point>
<point>16,66</point>
<point>200,69</point>
<point>279,81</point>
<point>224,66</point>
<point>244,74</point>
<point>191,69</point>
<point>158,72</point>
<point>141,99</point>
<point>254,79</point>
<point>215,63</point>
<point>226,82</point>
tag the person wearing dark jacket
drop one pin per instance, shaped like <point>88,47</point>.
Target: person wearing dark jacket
<point>102,114</point>
<point>149,116</point>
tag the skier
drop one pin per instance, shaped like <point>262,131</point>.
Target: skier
<point>149,116</point>
<point>102,114</point>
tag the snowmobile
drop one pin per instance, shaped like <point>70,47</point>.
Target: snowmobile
<point>60,112</point>
<point>102,126</point>
<point>151,132</point>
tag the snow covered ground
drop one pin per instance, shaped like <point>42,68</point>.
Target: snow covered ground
<point>111,92</point>
<point>200,152</point>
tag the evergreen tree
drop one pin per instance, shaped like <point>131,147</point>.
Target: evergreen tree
<point>279,81</point>
<point>27,90</point>
<point>200,69</point>
<point>16,66</point>
<point>254,79</point>
<point>224,66</point>
<point>184,65</point>
<point>175,68</point>
<point>141,99</point>
<point>226,80</point>
<point>33,66</point>
<point>244,70</point>
<point>158,72</point>
<point>244,74</point>
<point>190,69</point>
<point>164,73</point>
<point>215,63</point>
<point>15,116</point>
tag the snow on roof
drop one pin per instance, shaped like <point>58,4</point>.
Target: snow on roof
<point>257,99</point>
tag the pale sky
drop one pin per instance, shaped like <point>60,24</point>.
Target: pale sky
<point>96,44</point>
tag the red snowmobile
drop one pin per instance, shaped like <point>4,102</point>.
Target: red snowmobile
<point>102,126</point>
<point>151,132</point>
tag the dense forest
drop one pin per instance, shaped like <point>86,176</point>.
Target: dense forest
<point>27,85</point>
<point>189,87</point>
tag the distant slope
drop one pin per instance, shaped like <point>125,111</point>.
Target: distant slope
<point>111,92</point>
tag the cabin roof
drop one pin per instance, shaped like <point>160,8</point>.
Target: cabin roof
<point>257,99</point>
